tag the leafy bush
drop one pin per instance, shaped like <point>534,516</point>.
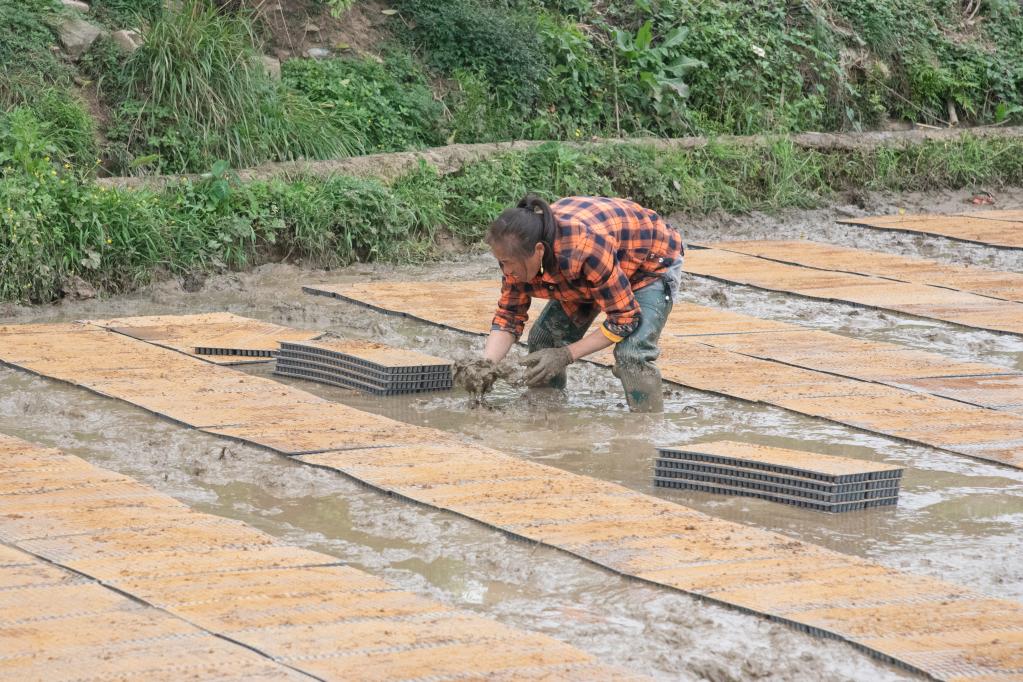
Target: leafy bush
<point>478,114</point>
<point>503,45</point>
<point>575,95</point>
<point>390,104</point>
<point>69,129</point>
<point>54,225</point>
<point>651,77</point>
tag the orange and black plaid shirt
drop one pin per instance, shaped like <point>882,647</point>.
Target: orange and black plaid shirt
<point>605,249</point>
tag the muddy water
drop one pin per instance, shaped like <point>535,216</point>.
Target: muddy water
<point>958,519</point>
<point>654,631</point>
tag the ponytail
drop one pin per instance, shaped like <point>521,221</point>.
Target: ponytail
<point>520,229</point>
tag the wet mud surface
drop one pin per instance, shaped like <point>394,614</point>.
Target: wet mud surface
<point>477,377</point>
<point>958,519</point>
<point>651,630</point>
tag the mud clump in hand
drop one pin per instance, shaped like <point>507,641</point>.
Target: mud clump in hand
<point>477,377</point>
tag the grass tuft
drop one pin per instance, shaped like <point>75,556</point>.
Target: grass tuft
<point>197,93</point>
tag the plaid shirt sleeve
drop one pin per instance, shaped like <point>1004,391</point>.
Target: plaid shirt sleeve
<point>595,262</point>
<point>512,308</point>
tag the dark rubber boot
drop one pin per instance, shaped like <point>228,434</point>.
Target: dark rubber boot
<point>643,388</point>
<point>636,354</point>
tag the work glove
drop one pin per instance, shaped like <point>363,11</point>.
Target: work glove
<point>543,365</point>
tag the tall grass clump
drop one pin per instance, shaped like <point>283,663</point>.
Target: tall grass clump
<point>197,93</point>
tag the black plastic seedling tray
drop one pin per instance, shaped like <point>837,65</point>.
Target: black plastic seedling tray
<point>250,353</point>
<point>369,365</point>
<point>357,384</point>
<point>326,364</point>
<point>674,453</point>
<point>810,484</point>
<point>773,488</point>
<point>786,499</point>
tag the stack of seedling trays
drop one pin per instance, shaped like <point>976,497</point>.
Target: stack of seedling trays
<point>363,366</point>
<point>805,479</point>
<point>240,352</point>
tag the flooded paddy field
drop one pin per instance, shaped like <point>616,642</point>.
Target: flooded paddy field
<point>958,519</point>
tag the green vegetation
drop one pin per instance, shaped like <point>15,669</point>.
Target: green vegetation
<point>32,77</point>
<point>389,103</point>
<point>469,35</point>
<point>127,13</point>
<point>26,38</point>
<point>197,97</point>
<point>57,224</point>
<point>196,92</point>
<point>675,67</point>
<point>496,70</point>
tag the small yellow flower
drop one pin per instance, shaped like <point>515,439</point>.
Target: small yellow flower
<point>110,241</point>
